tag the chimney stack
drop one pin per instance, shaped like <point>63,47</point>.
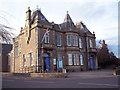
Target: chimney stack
<point>28,17</point>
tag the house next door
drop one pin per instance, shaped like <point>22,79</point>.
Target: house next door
<point>46,62</point>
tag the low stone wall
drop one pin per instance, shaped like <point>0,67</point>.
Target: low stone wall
<point>22,74</point>
<point>49,75</point>
<point>6,74</point>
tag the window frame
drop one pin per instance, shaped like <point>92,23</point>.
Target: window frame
<point>31,59</point>
<point>68,39</point>
<point>81,60</point>
<point>24,60</point>
<point>76,40</point>
<point>70,58</point>
<point>73,40</point>
<point>80,42</point>
<point>46,38</point>
<point>58,40</point>
<point>91,43</point>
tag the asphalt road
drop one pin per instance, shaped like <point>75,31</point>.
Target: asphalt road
<point>88,79</point>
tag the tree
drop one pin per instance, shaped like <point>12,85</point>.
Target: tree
<point>105,58</point>
<point>6,33</point>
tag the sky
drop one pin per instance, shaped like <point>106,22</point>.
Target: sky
<point>100,16</point>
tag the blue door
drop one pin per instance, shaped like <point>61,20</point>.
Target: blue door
<point>46,62</point>
<point>92,62</point>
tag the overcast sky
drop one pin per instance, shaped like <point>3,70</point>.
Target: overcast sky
<point>100,16</point>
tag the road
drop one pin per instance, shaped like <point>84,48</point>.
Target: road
<point>85,79</point>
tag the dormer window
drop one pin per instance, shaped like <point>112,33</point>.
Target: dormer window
<point>42,18</point>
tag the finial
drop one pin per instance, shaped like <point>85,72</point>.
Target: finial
<point>37,7</point>
<point>28,8</point>
<point>67,12</point>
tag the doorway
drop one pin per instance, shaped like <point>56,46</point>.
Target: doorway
<point>46,62</point>
<point>92,62</point>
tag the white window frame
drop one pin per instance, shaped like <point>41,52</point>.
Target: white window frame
<point>76,40</point>
<point>74,58</point>
<point>80,43</point>
<point>81,59</point>
<point>73,40</point>
<point>91,44</point>
<point>46,37</point>
<point>70,59</point>
<point>77,58</point>
<point>68,39</point>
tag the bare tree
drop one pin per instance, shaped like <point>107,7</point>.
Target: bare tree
<point>6,33</point>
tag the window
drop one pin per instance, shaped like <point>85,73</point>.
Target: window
<point>59,62</point>
<point>8,60</point>
<point>74,56</point>
<point>59,57</point>
<point>76,41</point>
<point>16,48</point>
<point>73,40</point>
<point>76,59</point>
<point>54,61</point>
<point>58,40</point>
<point>31,59</point>
<point>24,60</point>
<point>46,37</point>
<point>70,59</point>
<point>69,40</point>
<point>16,51</point>
<point>80,43</point>
<point>81,60</point>
<point>91,44</point>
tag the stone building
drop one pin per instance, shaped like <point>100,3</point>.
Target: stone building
<point>44,46</point>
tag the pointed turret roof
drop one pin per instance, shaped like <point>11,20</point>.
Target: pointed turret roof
<point>68,18</point>
<point>67,22</point>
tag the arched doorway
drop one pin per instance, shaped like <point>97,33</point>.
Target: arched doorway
<point>92,62</point>
<point>46,62</point>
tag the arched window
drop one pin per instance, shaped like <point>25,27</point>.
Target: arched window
<point>46,37</point>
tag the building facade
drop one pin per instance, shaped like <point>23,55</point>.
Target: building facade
<point>44,46</point>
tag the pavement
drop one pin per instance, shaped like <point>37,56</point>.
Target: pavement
<point>83,79</point>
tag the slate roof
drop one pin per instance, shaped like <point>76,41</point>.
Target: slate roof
<point>68,23</point>
<point>38,15</point>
